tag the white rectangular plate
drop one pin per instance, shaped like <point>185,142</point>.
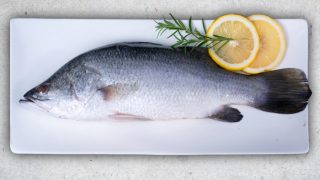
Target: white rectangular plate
<point>38,47</point>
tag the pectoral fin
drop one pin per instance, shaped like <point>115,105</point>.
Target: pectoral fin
<point>228,114</point>
<point>114,91</point>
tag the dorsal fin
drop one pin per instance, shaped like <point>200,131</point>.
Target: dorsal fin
<point>142,44</point>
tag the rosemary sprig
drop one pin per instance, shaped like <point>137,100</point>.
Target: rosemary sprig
<point>188,35</point>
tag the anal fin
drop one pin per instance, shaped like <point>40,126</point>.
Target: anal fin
<point>228,114</point>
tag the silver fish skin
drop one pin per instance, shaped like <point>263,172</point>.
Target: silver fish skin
<point>149,81</point>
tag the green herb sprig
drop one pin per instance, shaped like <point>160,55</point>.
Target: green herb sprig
<point>188,35</point>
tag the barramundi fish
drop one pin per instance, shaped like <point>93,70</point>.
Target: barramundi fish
<point>149,81</point>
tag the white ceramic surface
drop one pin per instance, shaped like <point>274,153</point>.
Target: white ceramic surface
<point>38,47</point>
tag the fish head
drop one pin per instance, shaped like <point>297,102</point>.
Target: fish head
<point>54,98</point>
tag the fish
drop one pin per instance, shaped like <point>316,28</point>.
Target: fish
<point>148,81</point>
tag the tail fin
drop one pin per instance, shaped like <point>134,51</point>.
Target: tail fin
<point>287,91</point>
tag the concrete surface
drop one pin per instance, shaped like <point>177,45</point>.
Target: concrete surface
<point>25,167</point>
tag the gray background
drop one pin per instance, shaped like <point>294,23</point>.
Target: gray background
<point>306,166</point>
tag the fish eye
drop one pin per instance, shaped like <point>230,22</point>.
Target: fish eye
<point>42,88</point>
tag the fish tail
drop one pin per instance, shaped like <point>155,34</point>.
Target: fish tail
<point>287,91</point>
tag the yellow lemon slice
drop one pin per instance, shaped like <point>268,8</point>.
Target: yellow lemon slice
<point>242,49</point>
<point>272,44</point>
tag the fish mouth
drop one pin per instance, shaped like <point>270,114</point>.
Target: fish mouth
<point>31,97</point>
<point>26,100</point>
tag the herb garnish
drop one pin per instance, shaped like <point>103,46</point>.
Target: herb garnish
<point>188,35</point>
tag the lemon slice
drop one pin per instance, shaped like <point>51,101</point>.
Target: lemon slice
<point>272,44</point>
<point>239,52</point>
